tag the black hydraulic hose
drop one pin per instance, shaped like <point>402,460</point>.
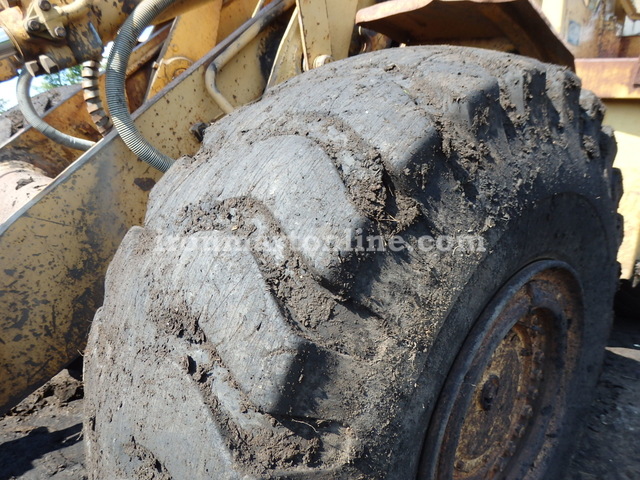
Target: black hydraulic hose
<point>32,117</point>
<point>127,38</point>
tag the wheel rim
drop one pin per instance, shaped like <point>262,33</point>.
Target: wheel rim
<point>501,408</point>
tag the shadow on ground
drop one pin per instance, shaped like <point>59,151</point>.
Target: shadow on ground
<point>17,456</point>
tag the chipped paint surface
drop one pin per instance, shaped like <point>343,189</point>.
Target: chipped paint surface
<point>53,255</point>
<point>54,252</point>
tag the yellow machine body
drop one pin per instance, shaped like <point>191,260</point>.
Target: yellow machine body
<point>604,37</point>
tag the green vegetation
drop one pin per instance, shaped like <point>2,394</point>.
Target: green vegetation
<point>69,76</point>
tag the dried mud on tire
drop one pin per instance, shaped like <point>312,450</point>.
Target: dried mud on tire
<point>329,362</point>
<point>42,438</point>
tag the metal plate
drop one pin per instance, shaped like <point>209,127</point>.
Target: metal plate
<point>419,22</point>
<point>54,252</point>
<point>610,78</point>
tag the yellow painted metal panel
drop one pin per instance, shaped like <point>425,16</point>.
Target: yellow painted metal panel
<point>342,15</point>
<point>627,160</point>
<point>53,256</point>
<point>314,25</point>
<point>554,11</point>
<point>624,116</point>
<point>54,251</point>
<point>182,49</point>
<point>610,77</point>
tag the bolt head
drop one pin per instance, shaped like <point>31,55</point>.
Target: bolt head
<point>489,392</point>
<point>60,32</point>
<point>44,5</point>
<point>34,25</point>
<point>321,60</point>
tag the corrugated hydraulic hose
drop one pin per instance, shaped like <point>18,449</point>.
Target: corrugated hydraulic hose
<point>91,93</point>
<point>32,117</point>
<point>140,18</point>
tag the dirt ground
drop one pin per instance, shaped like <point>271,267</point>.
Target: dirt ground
<point>42,437</point>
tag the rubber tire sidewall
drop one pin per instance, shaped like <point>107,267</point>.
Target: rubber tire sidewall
<point>534,236</point>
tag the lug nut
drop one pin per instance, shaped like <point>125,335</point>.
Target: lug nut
<point>60,32</point>
<point>44,5</point>
<point>460,465</point>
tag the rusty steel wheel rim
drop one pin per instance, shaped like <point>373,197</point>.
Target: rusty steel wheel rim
<point>501,409</point>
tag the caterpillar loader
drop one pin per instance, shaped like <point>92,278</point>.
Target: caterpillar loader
<point>316,238</point>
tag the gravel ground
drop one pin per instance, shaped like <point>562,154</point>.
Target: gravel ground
<point>609,447</point>
<point>42,437</point>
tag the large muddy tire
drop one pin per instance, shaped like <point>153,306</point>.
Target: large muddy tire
<point>243,337</point>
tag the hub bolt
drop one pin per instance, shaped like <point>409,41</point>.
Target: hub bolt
<point>34,25</point>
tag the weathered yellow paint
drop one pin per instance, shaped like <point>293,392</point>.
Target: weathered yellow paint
<point>54,251</point>
<point>554,11</point>
<point>610,78</point>
<point>182,49</point>
<point>341,14</point>
<point>624,117</point>
<point>8,69</point>
<point>234,14</point>
<point>591,29</point>
<point>314,25</point>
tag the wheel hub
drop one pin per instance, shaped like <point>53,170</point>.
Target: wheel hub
<point>500,409</point>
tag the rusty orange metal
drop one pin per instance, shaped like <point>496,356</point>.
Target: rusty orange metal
<point>610,78</point>
<point>420,22</point>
